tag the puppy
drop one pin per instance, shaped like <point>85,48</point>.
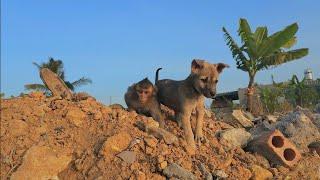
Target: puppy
<point>189,94</point>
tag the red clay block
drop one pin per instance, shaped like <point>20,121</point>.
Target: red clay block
<point>276,148</point>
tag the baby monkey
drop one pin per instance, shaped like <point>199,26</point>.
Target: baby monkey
<point>142,98</point>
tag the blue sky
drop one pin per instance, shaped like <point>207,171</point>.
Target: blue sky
<point>116,43</point>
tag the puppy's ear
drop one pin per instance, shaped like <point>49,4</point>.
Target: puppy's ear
<point>221,66</point>
<point>196,65</point>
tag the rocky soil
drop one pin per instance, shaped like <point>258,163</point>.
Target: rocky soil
<point>50,138</point>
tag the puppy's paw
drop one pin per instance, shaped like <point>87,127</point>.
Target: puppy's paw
<point>200,139</point>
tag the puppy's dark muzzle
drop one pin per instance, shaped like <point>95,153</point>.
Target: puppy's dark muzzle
<point>213,94</point>
<point>210,94</point>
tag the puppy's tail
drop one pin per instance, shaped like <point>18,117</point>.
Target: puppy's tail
<point>157,75</point>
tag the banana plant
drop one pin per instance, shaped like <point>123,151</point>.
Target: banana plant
<point>260,51</point>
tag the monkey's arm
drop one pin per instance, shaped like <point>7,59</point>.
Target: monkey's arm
<point>157,115</point>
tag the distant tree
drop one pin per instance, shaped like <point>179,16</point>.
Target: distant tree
<point>259,51</point>
<point>56,66</point>
<point>2,95</point>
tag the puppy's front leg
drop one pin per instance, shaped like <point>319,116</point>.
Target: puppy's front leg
<point>184,117</point>
<point>199,115</point>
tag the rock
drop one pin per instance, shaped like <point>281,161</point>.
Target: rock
<point>317,108</point>
<point>97,115</point>
<point>297,127</point>
<point>259,173</point>
<point>263,126</point>
<point>138,175</point>
<point>55,84</point>
<point>37,95</point>
<point>219,174</point>
<point>271,118</point>
<point>80,96</point>
<point>237,137</point>
<point>160,133</point>
<point>176,171</point>
<point>160,159</point>
<point>315,146</point>
<point>205,173</point>
<point>127,156</point>
<point>151,141</point>
<point>248,115</point>
<point>116,106</point>
<point>114,145</point>
<point>18,128</point>
<point>42,162</point>
<point>239,116</point>
<point>163,165</point>
<point>75,116</point>
<point>316,121</point>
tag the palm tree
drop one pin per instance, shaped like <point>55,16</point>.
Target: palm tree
<point>56,66</point>
<point>259,51</point>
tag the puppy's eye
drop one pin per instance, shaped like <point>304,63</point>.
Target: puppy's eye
<point>204,79</point>
<point>216,81</point>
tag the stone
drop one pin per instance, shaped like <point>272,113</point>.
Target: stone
<point>160,133</point>
<point>55,84</point>
<point>315,146</point>
<point>276,148</point>
<point>205,173</point>
<point>127,156</point>
<point>75,116</point>
<point>97,115</point>
<point>271,118</point>
<point>263,126</point>
<point>236,137</point>
<point>176,171</point>
<point>259,173</point>
<point>239,116</point>
<point>219,174</point>
<point>151,141</point>
<point>317,108</point>
<point>115,144</point>
<point>42,162</point>
<point>37,95</point>
<point>18,128</point>
<point>80,96</point>
<point>160,159</point>
<point>163,164</point>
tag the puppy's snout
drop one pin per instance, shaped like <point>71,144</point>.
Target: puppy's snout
<point>212,94</point>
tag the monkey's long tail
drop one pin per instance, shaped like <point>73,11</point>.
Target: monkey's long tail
<point>157,75</point>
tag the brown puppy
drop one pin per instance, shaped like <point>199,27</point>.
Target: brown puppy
<point>142,98</point>
<point>186,95</point>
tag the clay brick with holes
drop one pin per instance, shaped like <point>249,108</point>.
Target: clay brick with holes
<point>276,148</point>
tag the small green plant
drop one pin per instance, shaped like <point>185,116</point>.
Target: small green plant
<point>301,94</point>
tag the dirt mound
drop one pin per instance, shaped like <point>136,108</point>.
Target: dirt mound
<point>55,138</point>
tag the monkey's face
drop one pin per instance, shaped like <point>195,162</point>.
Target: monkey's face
<point>144,94</point>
